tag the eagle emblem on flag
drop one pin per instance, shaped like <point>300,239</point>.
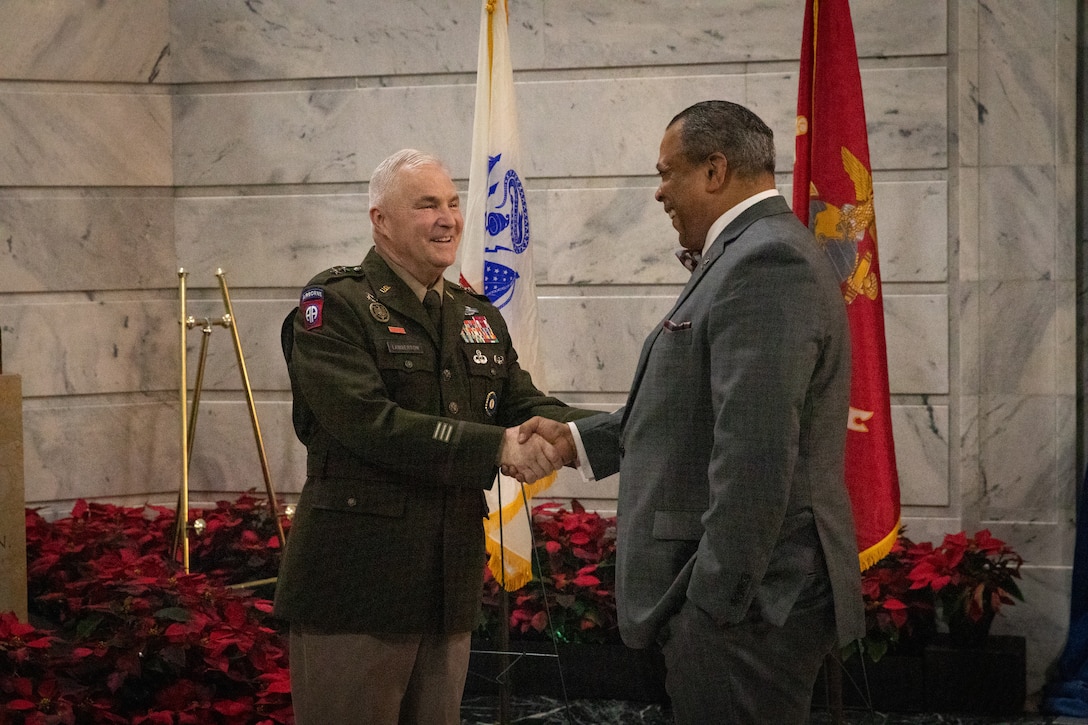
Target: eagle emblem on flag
<point>841,230</point>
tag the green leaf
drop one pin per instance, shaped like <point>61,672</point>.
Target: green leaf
<point>177,614</point>
<point>87,626</point>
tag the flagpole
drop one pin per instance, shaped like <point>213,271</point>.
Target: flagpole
<point>504,658</point>
<point>496,261</point>
<point>504,630</point>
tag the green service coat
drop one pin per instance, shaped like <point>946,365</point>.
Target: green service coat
<point>402,423</point>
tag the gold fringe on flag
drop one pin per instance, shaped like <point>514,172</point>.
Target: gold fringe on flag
<point>517,571</point>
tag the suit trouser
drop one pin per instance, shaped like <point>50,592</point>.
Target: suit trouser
<point>387,679</point>
<point>750,673</point>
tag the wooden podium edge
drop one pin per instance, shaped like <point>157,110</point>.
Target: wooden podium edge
<point>13,587</point>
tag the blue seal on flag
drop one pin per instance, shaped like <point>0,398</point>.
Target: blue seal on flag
<point>507,224</point>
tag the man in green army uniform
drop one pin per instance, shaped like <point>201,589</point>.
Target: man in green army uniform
<point>406,418</point>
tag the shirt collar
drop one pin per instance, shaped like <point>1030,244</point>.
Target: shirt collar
<point>725,219</point>
<point>417,287</point>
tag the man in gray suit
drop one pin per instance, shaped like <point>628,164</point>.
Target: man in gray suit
<point>736,547</point>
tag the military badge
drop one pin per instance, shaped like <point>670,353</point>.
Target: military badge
<point>379,312</point>
<point>491,404</point>
<point>310,304</point>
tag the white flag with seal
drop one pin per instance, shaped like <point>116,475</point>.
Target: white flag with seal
<point>496,260</point>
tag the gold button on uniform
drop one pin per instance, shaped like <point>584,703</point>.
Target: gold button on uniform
<point>453,407</point>
<point>447,375</point>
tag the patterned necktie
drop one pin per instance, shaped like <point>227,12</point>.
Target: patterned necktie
<point>433,303</point>
<point>689,259</point>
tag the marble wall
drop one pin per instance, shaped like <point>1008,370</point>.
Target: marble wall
<point>146,135</point>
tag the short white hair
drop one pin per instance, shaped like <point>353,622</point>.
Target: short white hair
<point>381,181</point>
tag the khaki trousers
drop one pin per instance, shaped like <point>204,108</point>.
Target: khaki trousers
<point>387,679</point>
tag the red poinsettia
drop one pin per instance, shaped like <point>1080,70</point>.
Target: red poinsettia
<point>897,617</point>
<point>972,576</point>
<point>136,639</point>
<point>576,567</point>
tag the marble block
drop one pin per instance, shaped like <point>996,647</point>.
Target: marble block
<point>91,139</point>
<point>102,449</point>
<point>916,336</point>
<point>1017,74</point>
<point>1018,336</point>
<point>226,458</point>
<point>269,241</point>
<point>274,39</point>
<point>1027,468</point>
<point>1017,224</point>
<point>598,127</point>
<point>603,33</point>
<point>120,41</point>
<point>12,499</point>
<point>921,440</point>
<point>79,346</point>
<point>279,39</point>
<point>111,241</point>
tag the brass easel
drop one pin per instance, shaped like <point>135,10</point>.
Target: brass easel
<point>188,424</point>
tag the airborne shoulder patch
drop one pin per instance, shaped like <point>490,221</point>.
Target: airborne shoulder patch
<point>310,304</point>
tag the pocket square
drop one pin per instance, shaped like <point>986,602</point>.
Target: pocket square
<point>674,326</point>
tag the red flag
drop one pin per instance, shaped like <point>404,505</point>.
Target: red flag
<point>833,195</point>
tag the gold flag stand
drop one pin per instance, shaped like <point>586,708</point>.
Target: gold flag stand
<point>182,526</point>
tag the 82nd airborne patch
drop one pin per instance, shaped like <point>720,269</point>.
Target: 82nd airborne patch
<point>310,305</point>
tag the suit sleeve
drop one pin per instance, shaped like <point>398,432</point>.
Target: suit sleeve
<point>601,439</point>
<point>764,339</point>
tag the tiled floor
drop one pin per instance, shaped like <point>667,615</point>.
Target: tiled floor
<point>547,711</point>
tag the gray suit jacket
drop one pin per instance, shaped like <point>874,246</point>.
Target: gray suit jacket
<point>731,446</point>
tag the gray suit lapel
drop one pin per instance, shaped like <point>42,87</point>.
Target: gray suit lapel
<point>767,207</point>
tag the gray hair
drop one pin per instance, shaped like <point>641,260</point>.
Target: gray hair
<point>381,181</point>
<point>740,135</point>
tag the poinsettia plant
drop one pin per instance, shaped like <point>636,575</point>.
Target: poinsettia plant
<point>27,684</point>
<point>972,576</point>
<point>965,580</point>
<point>121,634</point>
<point>897,617</point>
<point>572,597</point>
<point>240,542</point>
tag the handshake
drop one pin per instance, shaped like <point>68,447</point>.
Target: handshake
<point>534,449</point>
